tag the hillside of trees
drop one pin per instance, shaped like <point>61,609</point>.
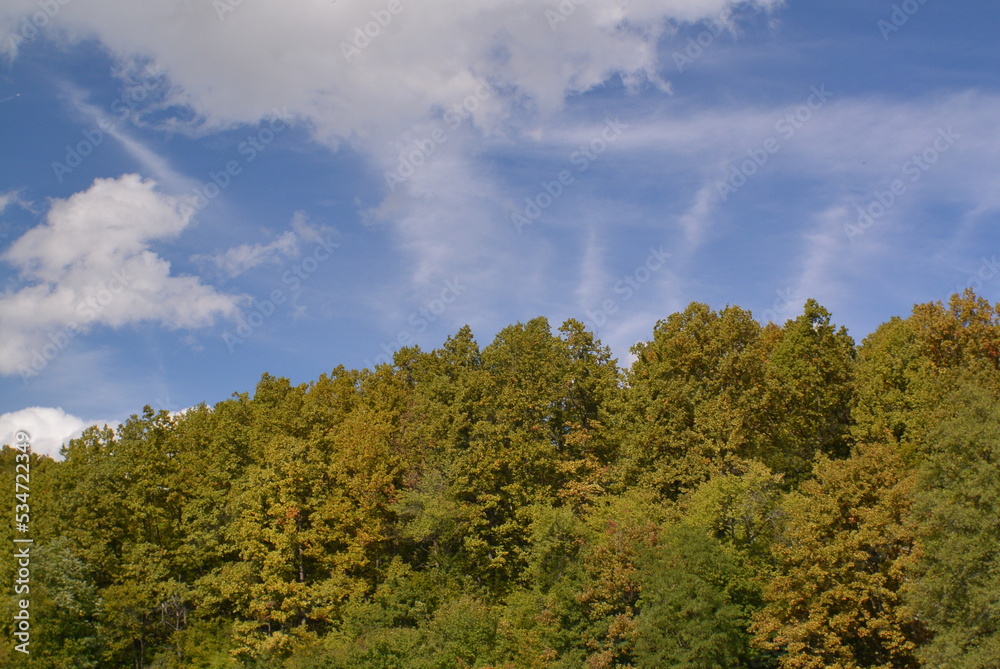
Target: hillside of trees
<point>740,496</point>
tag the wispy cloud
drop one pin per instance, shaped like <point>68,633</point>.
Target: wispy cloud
<point>13,198</point>
<point>239,259</point>
<point>105,121</point>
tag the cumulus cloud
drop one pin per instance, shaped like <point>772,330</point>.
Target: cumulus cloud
<point>49,428</point>
<point>357,71</point>
<point>382,79</point>
<point>385,91</point>
<point>90,264</point>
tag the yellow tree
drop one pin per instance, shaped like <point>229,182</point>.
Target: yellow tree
<point>900,365</point>
<point>845,552</point>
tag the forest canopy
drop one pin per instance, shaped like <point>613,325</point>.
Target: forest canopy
<point>742,495</point>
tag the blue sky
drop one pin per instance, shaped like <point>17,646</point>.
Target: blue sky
<point>193,193</point>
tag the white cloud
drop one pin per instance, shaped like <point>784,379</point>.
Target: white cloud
<point>237,67</point>
<point>152,163</point>
<point>824,257</point>
<point>698,218</point>
<point>841,158</point>
<point>593,281</point>
<point>90,264</point>
<point>239,259</point>
<point>385,91</point>
<point>452,216</point>
<point>11,198</point>
<point>49,428</point>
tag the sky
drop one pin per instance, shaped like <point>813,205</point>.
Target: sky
<point>195,193</point>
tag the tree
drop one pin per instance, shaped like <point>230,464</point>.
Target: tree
<point>529,505</point>
<point>310,515</point>
<point>899,365</point>
<point>740,508</point>
<point>811,373</point>
<point>695,394</point>
<point>579,604</point>
<point>534,438</point>
<point>691,618</point>
<point>956,585</point>
<point>845,553</point>
<point>889,364</point>
<point>61,589</point>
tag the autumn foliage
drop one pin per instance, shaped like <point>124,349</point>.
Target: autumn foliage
<point>743,495</point>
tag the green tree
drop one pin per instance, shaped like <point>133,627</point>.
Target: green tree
<point>534,437</point>
<point>61,589</point>
<point>691,617</point>
<point>310,515</point>
<point>695,394</point>
<point>811,374</point>
<point>116,500</point>
<point>956,585</point>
